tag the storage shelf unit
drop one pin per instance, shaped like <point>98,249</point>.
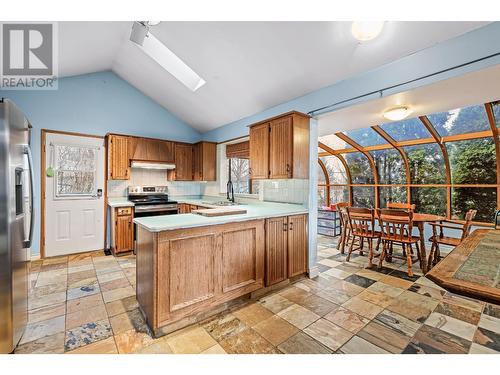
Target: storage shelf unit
<point>329,223</point>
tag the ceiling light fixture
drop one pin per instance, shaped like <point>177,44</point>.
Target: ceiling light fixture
<point>159,52</point>
<point>397,113</point>
<point>364,31</point>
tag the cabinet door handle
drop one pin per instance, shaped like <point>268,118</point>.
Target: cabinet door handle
<point>249,170</point>
<point>291,225</point>
<point>285,227</point>
<point>288,167</point>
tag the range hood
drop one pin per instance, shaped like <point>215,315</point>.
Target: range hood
<point>151,165</point>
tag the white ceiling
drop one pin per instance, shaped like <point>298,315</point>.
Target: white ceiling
<point>469,89</point>
<point>248,66</point>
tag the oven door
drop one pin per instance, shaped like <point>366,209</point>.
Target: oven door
<point>153,210</point>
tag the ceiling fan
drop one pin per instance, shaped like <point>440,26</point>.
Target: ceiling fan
<point>159,52</point>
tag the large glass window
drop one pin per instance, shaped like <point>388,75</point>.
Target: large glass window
<point>484,200</point>
<point>335,169</point>
<point>426,164</point>
<point>363,196</point>
<point>396,194</point>
<point>339,194</point>
<point>429,200</point>
<point>473,161</point>
<point>460,121</point>
<point>406,130</point>
<point>469,145</point>
<point>365,137</point>
<point>390,166</point>
<point>361,172</point>
<point>240,177</point>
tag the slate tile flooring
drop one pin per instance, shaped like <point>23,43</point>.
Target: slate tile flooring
<point>86,304</point>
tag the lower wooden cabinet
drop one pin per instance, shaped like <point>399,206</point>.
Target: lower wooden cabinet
<point>187,271</point>
<point>286,248</point>
<point>123,230</point>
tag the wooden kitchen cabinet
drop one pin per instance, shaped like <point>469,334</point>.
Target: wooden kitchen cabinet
<point>118,157</point>
<point>276,250</point>
<point>183,163</point>
<point>204,161</point>
<point>123,230</point>
<point>259,151</point>
<point>279,147</point>
<point>297,245</point>
<point>184,272</point>
<point>286,248</point>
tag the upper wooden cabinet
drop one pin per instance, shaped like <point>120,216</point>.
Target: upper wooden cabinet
<point>204,161</point>
<point>183,163</point>
<point>279,147</point>
<point>259,151</point>
<point>118,157</point>
<point>152,150</point>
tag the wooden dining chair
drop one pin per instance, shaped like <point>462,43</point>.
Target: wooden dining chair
<point>361,222</point>
<point>440,239</point>
<point>344,233</point>
<point>396,227</point>
<point>400,206</point>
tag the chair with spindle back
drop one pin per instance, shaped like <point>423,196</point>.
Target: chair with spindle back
<point>344,233</point>
<point>396,227</point>
<point>441,239</point>
<point>400,206</point>
<point>361,222</point>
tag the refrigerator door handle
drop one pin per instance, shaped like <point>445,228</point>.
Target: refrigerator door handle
<point>27,151</point>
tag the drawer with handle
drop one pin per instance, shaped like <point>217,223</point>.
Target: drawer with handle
<point>121,211</point>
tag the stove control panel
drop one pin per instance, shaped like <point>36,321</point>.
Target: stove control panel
<point>147,189</point>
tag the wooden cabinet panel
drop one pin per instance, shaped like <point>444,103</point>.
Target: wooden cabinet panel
<point>259,151</point>
<point>152,150</point>
<point>124,233</point>
<point>192,256</point>
<point>183,162</point>
<point>280,148</point>
<point>204,161</point>
<point>166,151</point>
<point>118,157</point>
<point>276,250</point>
<point>184,208</point>
<point>238,262</point>
<point>297,245</point>
<point>140,149</point>
<point>196,269</point>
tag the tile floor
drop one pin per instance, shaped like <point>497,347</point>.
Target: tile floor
<point>86,304</point>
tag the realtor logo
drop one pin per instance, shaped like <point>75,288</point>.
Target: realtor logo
<point>28,56</point>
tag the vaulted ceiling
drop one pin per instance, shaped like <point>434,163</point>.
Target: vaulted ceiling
<point>248,66</point>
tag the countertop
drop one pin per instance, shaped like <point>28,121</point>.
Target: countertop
<point>119,202</point>
<point>257,210</point>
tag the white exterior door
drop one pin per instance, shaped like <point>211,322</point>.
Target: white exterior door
<point>74,195</point>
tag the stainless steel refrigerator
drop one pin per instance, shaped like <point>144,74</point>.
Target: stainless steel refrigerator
<point>16,223</point>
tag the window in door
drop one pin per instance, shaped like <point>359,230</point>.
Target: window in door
<point>75,170</point>
<point>240,177</point>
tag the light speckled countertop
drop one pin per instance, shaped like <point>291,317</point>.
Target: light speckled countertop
<point>257,210</point>
<point>119,202</point>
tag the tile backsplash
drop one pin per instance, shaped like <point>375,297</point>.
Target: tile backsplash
<point>141,177</point>
<point>285,191</point>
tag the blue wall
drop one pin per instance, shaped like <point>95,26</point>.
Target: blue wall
<point>95,103</point>
<point>476,44</point>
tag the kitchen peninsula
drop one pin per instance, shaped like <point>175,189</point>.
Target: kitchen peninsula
<point>191,266</point>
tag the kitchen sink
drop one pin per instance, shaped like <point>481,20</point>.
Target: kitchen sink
<point>222,203</point>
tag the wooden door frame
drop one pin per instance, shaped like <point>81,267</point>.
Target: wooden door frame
<point>44,133</point>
